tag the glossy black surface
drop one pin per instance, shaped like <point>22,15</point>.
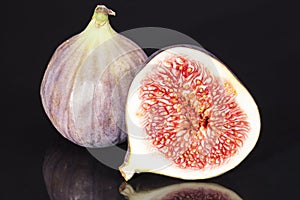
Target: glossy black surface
<point>258,40</point>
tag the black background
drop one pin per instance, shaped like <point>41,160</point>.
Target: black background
<point>257,39</point>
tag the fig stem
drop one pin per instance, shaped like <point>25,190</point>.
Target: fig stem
<point>101,14</point>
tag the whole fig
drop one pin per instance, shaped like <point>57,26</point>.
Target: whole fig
<point>84,88</point>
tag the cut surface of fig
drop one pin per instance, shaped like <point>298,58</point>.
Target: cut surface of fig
<point>181,191</point>
<point>188,116</point>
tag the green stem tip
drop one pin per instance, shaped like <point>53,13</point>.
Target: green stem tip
<point>101,14</point>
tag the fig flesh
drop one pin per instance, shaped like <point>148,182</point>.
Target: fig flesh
<point>188,116</point>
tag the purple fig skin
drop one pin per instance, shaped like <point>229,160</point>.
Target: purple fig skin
<point>84,88</point>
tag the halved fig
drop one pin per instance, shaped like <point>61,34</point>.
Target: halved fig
<point>188,116</point>
<point>181,191</point>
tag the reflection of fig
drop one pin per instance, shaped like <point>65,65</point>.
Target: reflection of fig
<point>70,172</point>
<point>81,77</point>
<point>188,116</point>
<point>199,191</point>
